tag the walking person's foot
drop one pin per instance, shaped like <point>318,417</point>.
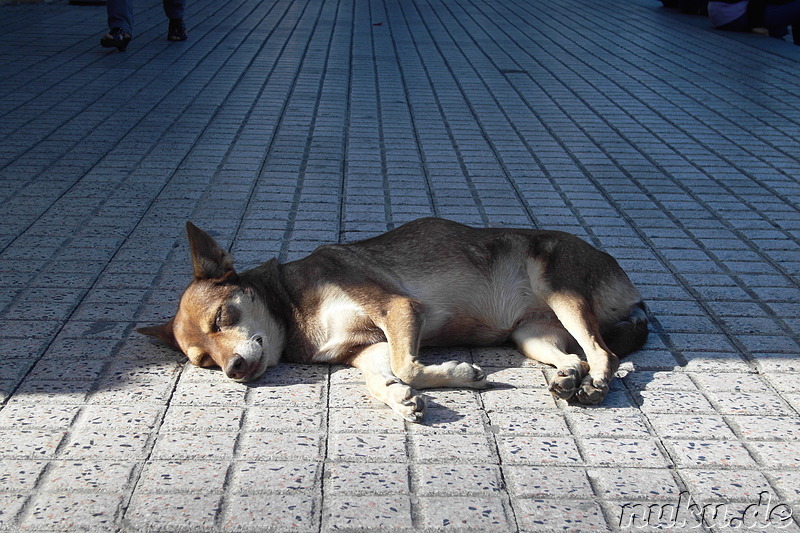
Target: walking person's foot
<point>116,38</point>
<point>177,30</point>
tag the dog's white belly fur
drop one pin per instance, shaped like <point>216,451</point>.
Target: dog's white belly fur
<point>477,308</point>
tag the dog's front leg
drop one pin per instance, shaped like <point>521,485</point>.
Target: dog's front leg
<point>374,363</point>
<point>401,322</point>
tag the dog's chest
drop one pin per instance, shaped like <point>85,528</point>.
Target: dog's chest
<point>341,325</point>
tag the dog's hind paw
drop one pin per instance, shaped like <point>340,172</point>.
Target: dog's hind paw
<point>592,391</point>
<point>406,402</point>
<point>565,383</point>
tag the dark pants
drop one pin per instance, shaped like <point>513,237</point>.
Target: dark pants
<point>120,12</point>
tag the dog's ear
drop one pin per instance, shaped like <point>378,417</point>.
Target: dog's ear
<point>208,259</point>
<point>163,333</point>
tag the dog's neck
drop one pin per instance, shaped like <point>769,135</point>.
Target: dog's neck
<point>268,283</point>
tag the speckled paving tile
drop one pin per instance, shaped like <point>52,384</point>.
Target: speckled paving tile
<point>29,444</point>
<point>172,511</point>
<point>689,426</point>
<point>91,475</point>
<point>670,401</point>
<point>777,454</point>
<point>106,445</point>
<point>649,380</point>
<point>530,424</point>
<point>477,513</point>
<point>30,416</point>
<point>549,451</point>
<point>787,482</point>
<point>216,393</point>
<point>201,418</point>
<point>548,482</point>
<point>709,454</point>
<point>749,403</point>
<point>20,476</point>
<point>766,427</point>
<point>262,512</point>
<point>366,478</point>
<point>549,515</point>
<point>367,512</point>
<point>362,420</point>
<point>279,446</point>
<point>607,424</point>
<point>730,381</point>
<point>451,448</point>
<point>290,419</point>
<point>65,511</point>
<point>367,447</point>
<point>726,485</point>
<point>250,477</point>
<point>457,479</point>
<point>507,399</point>
<point>622,452</point>
<point>203,476</point>
<point>289,395</point>
<point>10,507</point>
<point>516,377</point>
<point>635,484</point>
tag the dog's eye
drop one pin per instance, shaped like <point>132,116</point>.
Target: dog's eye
<point>227,316</point>
<point>217,320</point>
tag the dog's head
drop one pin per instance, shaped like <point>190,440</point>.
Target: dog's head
<point>220,320</point>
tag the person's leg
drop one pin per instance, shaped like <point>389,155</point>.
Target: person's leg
<point>174,11</point>
<point>174,8</point>
<point>120,15</point>
<point>782,15</point>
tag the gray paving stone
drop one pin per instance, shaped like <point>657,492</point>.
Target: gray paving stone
<point>367,512</point>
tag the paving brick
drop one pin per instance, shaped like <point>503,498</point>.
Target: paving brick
<point>367,512</point>
<point>559,515</point>
<point>634,484</point>
<point>485,513</point>
<point>171,511</point>
<point>202,476</point>
<point>67,511</point>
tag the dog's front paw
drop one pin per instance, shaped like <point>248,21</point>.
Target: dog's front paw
<point>592,391</point>
<point>565,383</point>
<point>466,374</point>
<point>405,401</point>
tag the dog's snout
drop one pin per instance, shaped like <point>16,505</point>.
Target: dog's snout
<point>237,367</point>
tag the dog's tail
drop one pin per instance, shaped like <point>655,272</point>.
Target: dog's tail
<point>628,335</point>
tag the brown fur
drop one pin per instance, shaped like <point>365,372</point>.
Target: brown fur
<point>373,303</point>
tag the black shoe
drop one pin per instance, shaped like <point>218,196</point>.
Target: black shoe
<point>177,30</point>
<point>116,38</point>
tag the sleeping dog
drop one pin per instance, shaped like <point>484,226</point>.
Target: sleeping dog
<point>431,282</point>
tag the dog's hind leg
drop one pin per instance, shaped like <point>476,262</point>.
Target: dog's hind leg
<point>576,315</point>
<point>549,344</point>
<point>401,323</point>
<point>374,362</point>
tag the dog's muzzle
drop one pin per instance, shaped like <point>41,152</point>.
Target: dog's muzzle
<point>246,361</point>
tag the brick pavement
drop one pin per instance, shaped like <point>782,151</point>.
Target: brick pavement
<point>281,125</point>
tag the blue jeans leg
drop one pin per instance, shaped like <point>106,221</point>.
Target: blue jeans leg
<point>120,14</point>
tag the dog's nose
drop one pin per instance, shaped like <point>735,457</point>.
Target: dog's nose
<point>236,367</point>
